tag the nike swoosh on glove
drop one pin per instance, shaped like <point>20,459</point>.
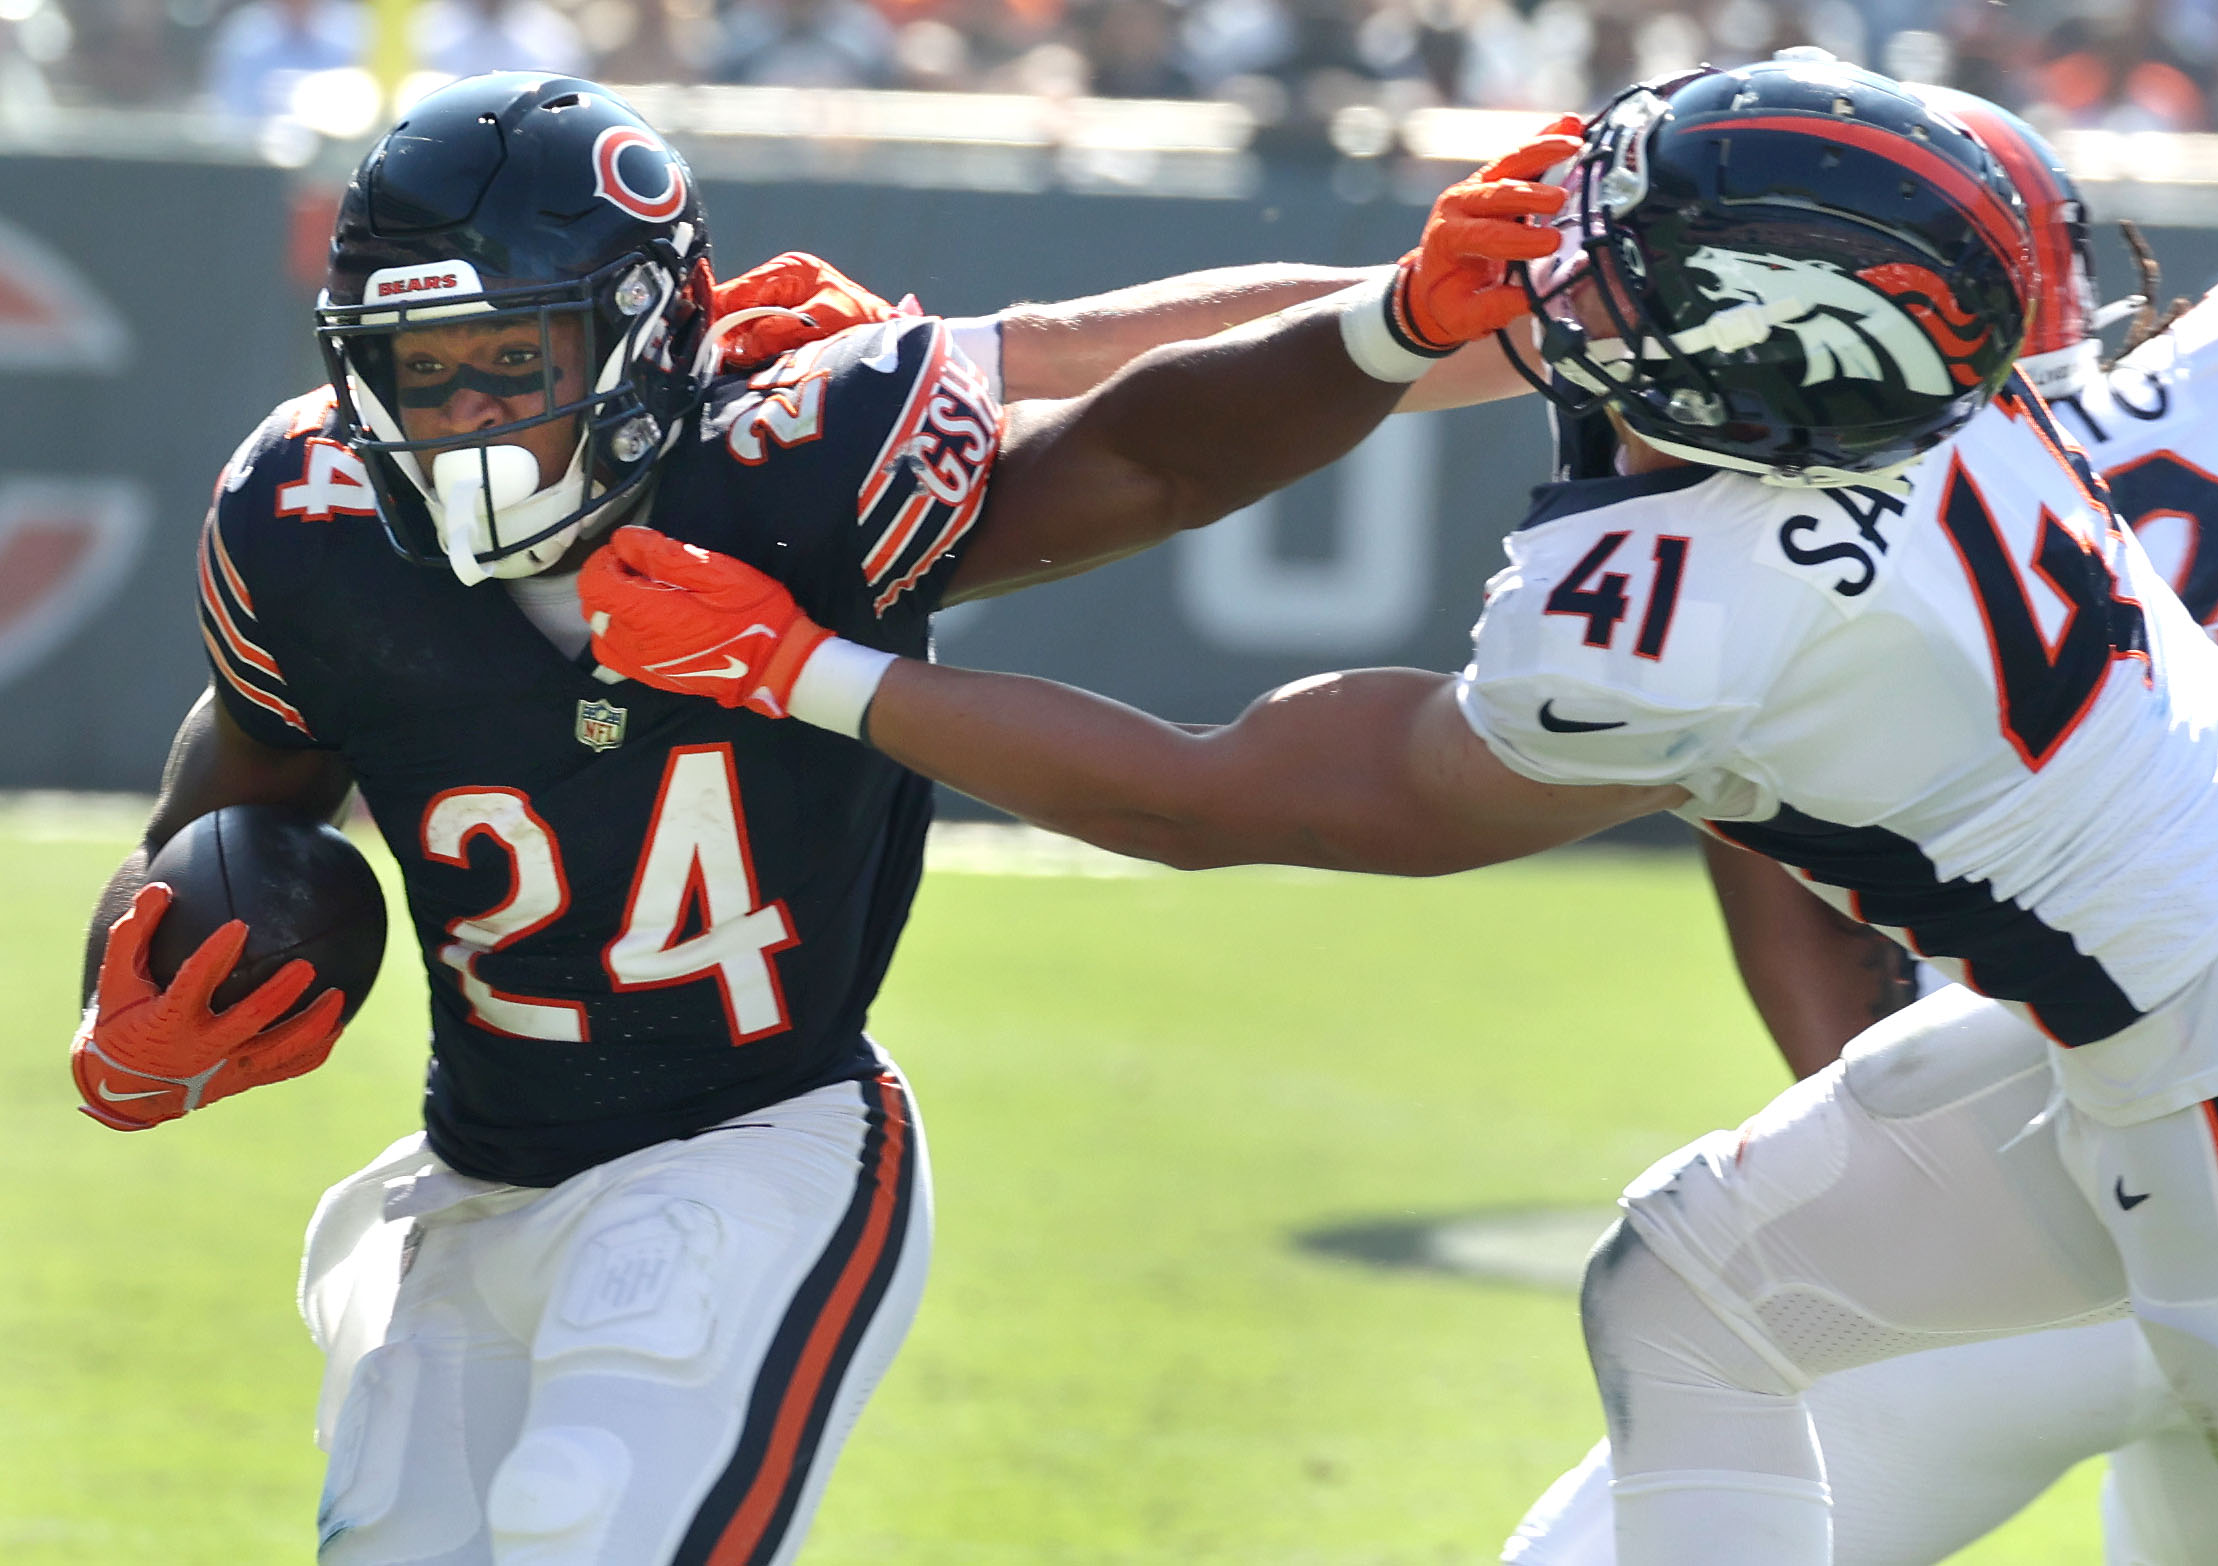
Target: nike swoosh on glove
<point>1455,286</point>
<point>685,619</point>
<point>146,1054</point>
<point>795,298</point>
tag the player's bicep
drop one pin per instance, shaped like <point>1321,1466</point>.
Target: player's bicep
<point>214,762</point>
<point>1459,791</point>
<point>1062,501</point>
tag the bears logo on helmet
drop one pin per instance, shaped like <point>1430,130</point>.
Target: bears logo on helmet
<point>611,186</point>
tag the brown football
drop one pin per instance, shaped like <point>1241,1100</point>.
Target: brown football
<point>302,888</point>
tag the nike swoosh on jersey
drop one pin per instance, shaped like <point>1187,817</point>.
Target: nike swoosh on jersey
<point>113,1097</point>
<point>1556,725</point>
<point>2129,1203</point>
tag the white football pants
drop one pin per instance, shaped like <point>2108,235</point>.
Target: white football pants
<point>652,1364</point>
<point>1928,1452</point>
<point>1914,1195</point>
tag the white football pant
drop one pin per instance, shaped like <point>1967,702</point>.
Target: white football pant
<point>1928,1452</point>
<point>1914,1195</point>
<point>652,1364</point>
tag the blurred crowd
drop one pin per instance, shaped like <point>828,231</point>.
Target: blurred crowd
<point>2121,64</point>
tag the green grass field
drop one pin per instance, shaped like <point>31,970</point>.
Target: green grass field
<point>1140,1092</point>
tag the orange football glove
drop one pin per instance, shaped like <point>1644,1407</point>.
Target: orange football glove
<point>1455,286</point>
<point>684,619</point>
<point>802,297</point>
<point>145,1055</point>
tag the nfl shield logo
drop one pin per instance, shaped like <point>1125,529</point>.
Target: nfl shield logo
<point>600,724</point>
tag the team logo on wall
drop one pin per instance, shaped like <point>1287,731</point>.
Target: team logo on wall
<point>1853,326</point>
<point>600,725</point>
<point>649,183</point>
<point>51,317</point>
<point>66,545</point>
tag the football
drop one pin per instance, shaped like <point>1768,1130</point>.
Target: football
<point>302,888</point>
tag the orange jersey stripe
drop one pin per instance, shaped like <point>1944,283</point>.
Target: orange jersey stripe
<point>241,648</point>
<point>231,577</point>
<point>260,698</point>
<point>745,1533</point>
<point>897,535</point>
<point>912,419</point>
<point>957,526</point>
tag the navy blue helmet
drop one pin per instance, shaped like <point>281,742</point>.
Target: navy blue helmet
<point>1795,268</point>
<point>518,198</point>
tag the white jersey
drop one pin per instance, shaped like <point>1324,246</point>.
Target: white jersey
<point>2150,426</point>
<point>1975,717</point>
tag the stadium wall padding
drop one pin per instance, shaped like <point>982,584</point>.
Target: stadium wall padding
<point>148,318</point>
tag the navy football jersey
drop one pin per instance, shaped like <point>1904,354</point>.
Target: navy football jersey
<point>641,913</point>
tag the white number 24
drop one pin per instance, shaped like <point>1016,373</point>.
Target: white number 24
<point>696,856</point>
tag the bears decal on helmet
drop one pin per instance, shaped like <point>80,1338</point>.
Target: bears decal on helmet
<point>611,186</point>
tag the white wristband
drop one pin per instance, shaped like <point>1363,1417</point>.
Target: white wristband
<point>834,687</point>
<point>1367,332</point>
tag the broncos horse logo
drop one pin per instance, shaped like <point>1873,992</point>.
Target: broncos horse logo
<point>1852,324</point>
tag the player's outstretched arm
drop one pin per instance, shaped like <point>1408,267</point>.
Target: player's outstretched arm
<point>1817,977</point>
<point>1066,349</point>
<point>1190,432</point>
<point>1372,770</point>
<point>147,1053</point>
<point>1369,769</point>
<point>1050,351</point>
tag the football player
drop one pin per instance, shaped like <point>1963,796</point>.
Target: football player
<point>1854,602</point>
<point>1925,1453</point>
<point>622,1300</point>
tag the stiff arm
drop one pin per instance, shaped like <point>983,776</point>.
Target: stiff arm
<point>1065,349</point>
<point>1181,436</point>
<point>1371,769</point>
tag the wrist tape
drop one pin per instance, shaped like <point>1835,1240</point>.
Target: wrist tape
<point>834,688</point>
<point>1372,330</point>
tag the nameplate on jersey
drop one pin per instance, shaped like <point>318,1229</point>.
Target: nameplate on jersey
<point>1837,541</point>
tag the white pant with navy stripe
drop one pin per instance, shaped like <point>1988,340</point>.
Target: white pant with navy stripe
<point>654,1362</point>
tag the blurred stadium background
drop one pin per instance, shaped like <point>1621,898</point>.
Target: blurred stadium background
<point>1173,1114</point>
<point>168,170</point>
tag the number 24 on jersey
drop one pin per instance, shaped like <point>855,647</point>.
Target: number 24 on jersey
<point>696,857</point>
